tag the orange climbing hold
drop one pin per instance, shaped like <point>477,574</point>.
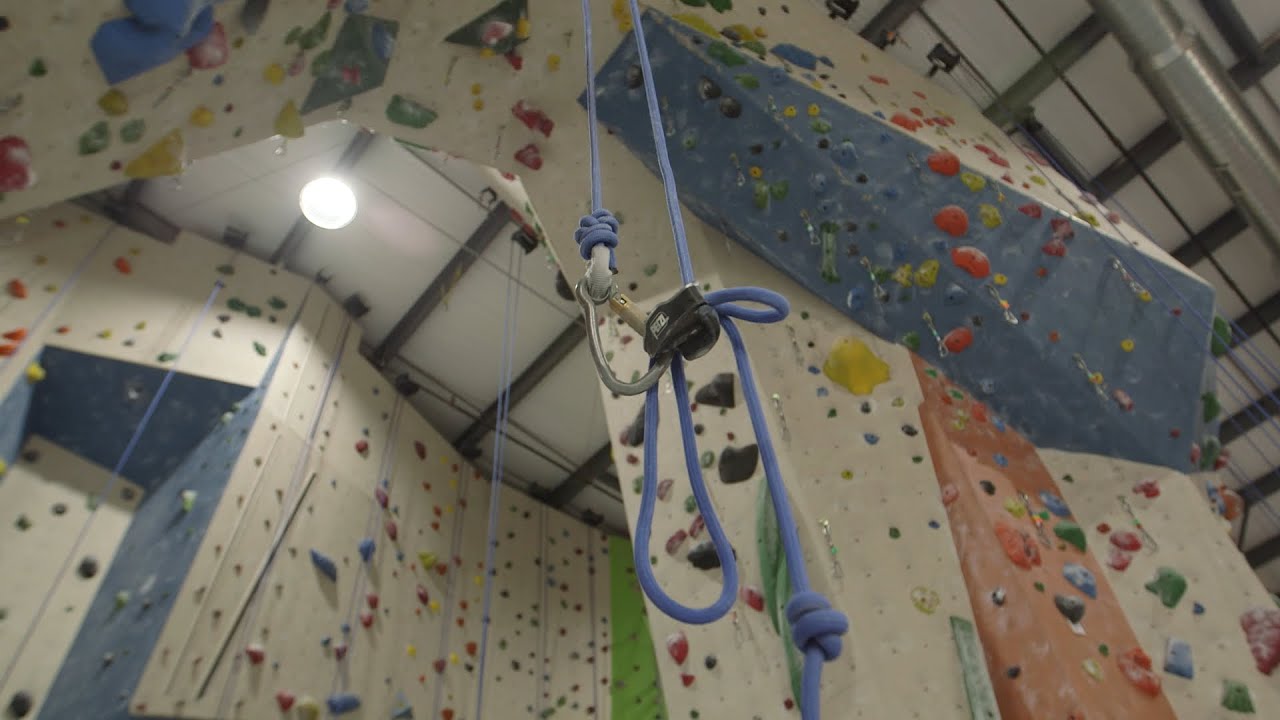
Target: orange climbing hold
<point>1136,666</point>
<point>971,260</point>
<point>958,340</point>
<point>122,264</point>
<point>8,349</point>
<point>952,220</point>
<point>16,335</point>
<point>906,122</point>
<point>1018,545</point>
<point>944,162</point>
<point>18,289</point>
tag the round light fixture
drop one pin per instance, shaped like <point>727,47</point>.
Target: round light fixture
<point>328,203</point>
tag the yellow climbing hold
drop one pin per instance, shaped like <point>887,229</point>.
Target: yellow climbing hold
<point>289,121</point>
<point>622,16</point>
<point>273,73</point>
<point>694,21</point>
<point>814,110</point>
<point>202,117</point>
<point>411,651</point>
<point>522,28</point>
<point>973,181</point>
<point>477,104</point>
<point>476,88</point>
<point>1088,217</point>
<point>1015,507</point>
<point>927,274</point>
<point>990,215</point>
<point>789,111</point>
<point>163,158</point>
<point>4,467</point>
<point>1092,668</point>
<point>852,365</point>
<point>846,474</point>
<point>1038,180</point>
<point>141,326</point>
<point>1000,279</point>
<point>22,219</point>
<point>453,658</point>
<point>1145,296</point>
<point>1126,344</point>
<point>487,52</point>
<point>479,581</point>
<point>755,171</point>
<point>105,334</point>
<point>760,32</point>
<point>745,33</point>
<point>435,606</point>
<point>308,708</point>
<point>902,275</point>
<point>114,103</point>
<point>35,373</point>
<point>428,559</point>
<point>553,62</point>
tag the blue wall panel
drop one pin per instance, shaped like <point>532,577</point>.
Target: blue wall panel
<point>13,419</point>
<point>871,183</point>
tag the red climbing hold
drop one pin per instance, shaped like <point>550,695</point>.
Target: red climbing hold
<point>366,619</point>
<point>122,264</point>
<point>8,349</point>
<point>339,651</point>
<point>879,79</point>
<point>420,449</point>
<point>1136,666</point>
<point>1062,229</point>
<point>256,653</point>
<point>15,164</point>
<point>686,679</point>
<point>752,596</point>
<point>1118,559</point>
<point>471,649</point>
<point>697,526</point>
<point>664,488</point>
<point>1031,210</point>
<point>372,600</point>
<point>958,340</point>
<point>514,59</point>
<point>1055,248</point>
<point>949,494</point>
<point>529,157</point>
<point>977,410</point>
<point>678,647</point>
<point>971,260</point>
<point>381,496</point>
<point>362,447</point>
<point>533,118</point>
<point>18,289</point>
<point>906,122</point>
<point>285,700</point>
<point>16,335</point>
<point>1262,631</point>
<point>212,52</point>
<point>423,597</point>
<point>675,541</point>
<point>1103,528</point>
<point>998,159</point>
<point>446,714</point>
<point>1149,488</point>
<point>1126,540</point>
<point>439,666</point>
<point>952,220</point>
<point>944,162</point>
<point>392,530</point>
<point>1018,545</point>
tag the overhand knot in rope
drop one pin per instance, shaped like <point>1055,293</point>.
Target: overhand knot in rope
<point>815,625</point>
<point>598,228</point>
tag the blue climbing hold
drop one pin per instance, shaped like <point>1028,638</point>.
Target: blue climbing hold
<point>1055,504</point>
<point>880,114</point>
<point>1197,608</point>
<point>367,546</point>
<point>827,206</point>
<point>795,55</point>
<point>891,193</point>
<point>871,438</point>
<point>157,32</point>
<point>813,370</point>
<point>1177,659</point>
<point>934,524</point>
<point>997,423</point>
<point>826,61</point>
<point>324,564</point>
<point>326,641</point>
<point>343,703</point>
<point>778,76</point>
<point>346,628</point>
<point>955,295</point>
<point>886,138</point>
<point>402,710</point>
<point>823,392</point>
<point>1081,578</point>
<point>857,298</point>
<point>176,17</point>
<point>1001,460</point>
<point>845,154</point>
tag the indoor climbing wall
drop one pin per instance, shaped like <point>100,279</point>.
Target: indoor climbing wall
<point>980,223</point>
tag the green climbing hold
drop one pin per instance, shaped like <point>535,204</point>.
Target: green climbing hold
<point>260,348</point>
<point>708,459</point>
<point>236,304</point>
<point>1103,650</point>
<point>1169,585</point>
<point>292,36</point>
<point>780,189</point>
<point>721,5</point>
<point>760,195</point>
<point>820,126</point>
<point>1071,533</point>
<point>1068,478</point>
<point>95,139</point>
<point>312,37</point>
<point>749,82</point>
<point>226,269</point>
<point>911,341</point>
<point>725,54</point>
<point>650,270</point>
<point>410,113</point>
<point>1039,586</point>
<point>37,68</point>
<point>1212,407</point>
<point>166,357</point>
<point>1210,449</point>
<point>122,599</point>
<point>1220,343</point>
<point>895,533</point>
<point>831,413</point>
<point>253,311</point>
<point>804,314</point>
<point>635,484</point>
<point>277,303</point>
<point>1236,697</point>
<point>917,459</point>
<point>756,47</point>
<point>690,504</point>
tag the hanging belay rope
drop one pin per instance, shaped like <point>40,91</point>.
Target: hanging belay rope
<point>686,327</point>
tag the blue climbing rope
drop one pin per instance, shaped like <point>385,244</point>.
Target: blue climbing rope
<point>816,628</point>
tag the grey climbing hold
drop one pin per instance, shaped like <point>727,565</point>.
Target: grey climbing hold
<point>1071,607</point>
<point>955,295</point>
<point>988,487</point>
<point>20,704</point>
<point>704,556</point>
<point>88,567</point>
<point>708,89</point>
<point>710,662</point>
<point>738,464</point>
<point>717,393</point>
<point>59,509</point>
<point>1177,658</point>
<point>997,596</point>
<point>633,436</point>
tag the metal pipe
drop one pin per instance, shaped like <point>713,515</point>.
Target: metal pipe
<point>1201,101</point>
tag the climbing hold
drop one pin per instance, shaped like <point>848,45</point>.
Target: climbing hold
<point>1126,540</point>
<point>529,156</point>
<point>925,600</point>
<point>15,166</point>
<point>971,260</point>
<point>1118,559</point>
<point>381,496</point>
<point>122,266</point>
<point>738,464</point>
<point>926,276</point>
<point>955,295</point>
<point>285,700</point>
<point>1070,533</point>
<point>1017,545</point>
<point>1220,340</point>
<point>1136,666</point>
<point>392,531</point>
<point>162,158</point>
<point>990,216</point>
<point>911,341</point>
<point>958,340</point>
<point>95,139</point>
<point>1054,504</point>
<point>420,450</point>
<point>17,289</point>
<point>122,599</point>
<point>255,652</point>
<point>1262,631</point>
<point>427,559</point>
<point>1177,658</point>
<point>704,556</point>
<point>1071,607</point>
<point>34,373</point>
<point>1211,408</point>
<point>533,118</point>
<point>845,154</point>
<point>340,650</point>
<point>678,647</point>
<point>1169,585</point>
<point>1093,669</point>
<point>324,564</point>
<point>1081,578</point>
<point>676,539</point>
<point>343,703</point>
<point>973,181</point>
<point>853,366</point>
<point>188,499</point>
<point>718,392</point>
<point>664,488</point>
<point>987,486</point>
<point>944,162</point>
<point>1147,488</point>
<point>308,708</point>
<point>362,447</point>
<point>201,117</point>
<point>366,548</point>
<point>88,567</point>
<point>870,438</point>
<point>953,220</point>
<point>20,704</point>
<point>1236,697</point>
<point>114,103</point>
<point>752,596</point>
<point>1015,508</point>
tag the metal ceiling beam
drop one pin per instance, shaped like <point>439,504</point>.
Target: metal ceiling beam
<point>126,209</point>
<point>499,216</point>
<point>1165,137</point>
<point>297,234</point>
<point>1056,153</point>
<point>1233,27</point>
<point>1013,105</point>
<point>1263,553</point>
<point>546,361</point>
<point>1261,488</point>
<point>579,479</point>
<point>1268,313</point>
<point>890,18</point>
<point>1211,238</point>
<point>1249,418</point>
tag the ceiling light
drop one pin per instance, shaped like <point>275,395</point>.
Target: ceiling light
<point>328,203</point>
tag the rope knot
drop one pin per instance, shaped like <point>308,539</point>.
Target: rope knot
<point>598,228</point>
<point>814,624</point>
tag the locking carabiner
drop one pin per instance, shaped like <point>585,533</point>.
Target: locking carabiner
<point>626,310</point>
